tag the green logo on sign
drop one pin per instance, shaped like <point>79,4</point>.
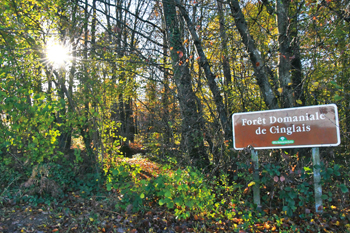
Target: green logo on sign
<point>282,141</point>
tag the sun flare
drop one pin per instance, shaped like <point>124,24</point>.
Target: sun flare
<point>57,54</point>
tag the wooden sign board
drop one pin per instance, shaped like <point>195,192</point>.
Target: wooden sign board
<point>312,126</point>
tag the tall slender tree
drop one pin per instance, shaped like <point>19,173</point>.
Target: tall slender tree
<point>192,125</point>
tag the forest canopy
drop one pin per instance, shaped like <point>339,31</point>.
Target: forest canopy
<point>173,70</point>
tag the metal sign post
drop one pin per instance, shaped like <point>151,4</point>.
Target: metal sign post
<point>317,179</point>
<point>256,188</point>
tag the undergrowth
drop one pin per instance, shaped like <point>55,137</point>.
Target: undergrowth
<point>140,185</point>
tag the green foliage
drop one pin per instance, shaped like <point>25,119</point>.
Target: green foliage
<point>28,132</point>
<point>298,193</point>
<point>188,194</point>
<point>110,139</point>
<point>185,191</point>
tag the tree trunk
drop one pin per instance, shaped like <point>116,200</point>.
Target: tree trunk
<point>129,121</point>
<point>85,133</point>
<point>192,126</point>
<point>225,61</point>
<point>296,66</point>
<point>165,95</point>
<point>203,62</point>
<point>284,58</point>
<point>262,72</point>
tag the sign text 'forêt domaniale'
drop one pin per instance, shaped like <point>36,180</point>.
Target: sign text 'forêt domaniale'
<point>287,128</point>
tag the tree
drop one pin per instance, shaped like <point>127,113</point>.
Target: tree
<point>203,61</point>
<point>262,71</point>
<point>29,133</point>
<point>192,123</point>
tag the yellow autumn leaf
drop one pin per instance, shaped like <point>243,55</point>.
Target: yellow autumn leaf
<point>267,226</point>
<point>337,223</point>
<point>290,84</point>
<point>251,184</point>
<point>299,101</point>
<point>91,219</point>
<point>280,90</point>
<point>315,84</point>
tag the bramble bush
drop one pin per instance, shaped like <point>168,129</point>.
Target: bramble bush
<point>185,191</point>
<point>286,181</point>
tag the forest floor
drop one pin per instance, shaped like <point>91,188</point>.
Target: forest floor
<point>77,212</point>
<point>84,215</point>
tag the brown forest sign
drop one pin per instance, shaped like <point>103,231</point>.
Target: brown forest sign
<point>312,126</point>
